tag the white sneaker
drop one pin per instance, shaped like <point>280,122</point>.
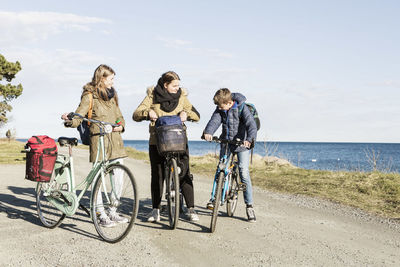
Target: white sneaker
<point>105,221</point>
<point>115,217</point>
<point>192,215</point>
<point>154,216</point>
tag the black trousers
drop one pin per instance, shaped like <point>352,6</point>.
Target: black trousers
<point>157,177</point>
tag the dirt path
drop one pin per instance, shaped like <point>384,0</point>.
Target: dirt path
<point>289,231</point>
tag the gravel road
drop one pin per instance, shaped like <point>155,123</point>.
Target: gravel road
<point>290,231</point>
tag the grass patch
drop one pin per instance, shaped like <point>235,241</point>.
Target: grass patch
<point>10,151</point>
<point>136,154</point>
<point>375,192</point>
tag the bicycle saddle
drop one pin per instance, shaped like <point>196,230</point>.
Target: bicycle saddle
<point>72,141</point>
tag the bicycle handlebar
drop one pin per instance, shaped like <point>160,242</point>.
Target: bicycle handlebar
<point>236,142</point>
<point>71,115</point>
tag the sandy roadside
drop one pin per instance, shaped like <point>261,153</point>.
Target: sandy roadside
<point>289,231</point>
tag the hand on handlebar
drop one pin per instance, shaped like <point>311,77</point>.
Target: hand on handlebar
<point>183,116</point>
<point>246,144</point>
<point>208,137</point>
<point>65,117</point>
<point>152,115</point>
<point>118,129</point>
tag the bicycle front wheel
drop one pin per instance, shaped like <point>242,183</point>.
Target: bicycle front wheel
<point>217,201</point>
<point>48,214</point>
<point>114,203</point>
<point>233,193</point>
<point>173,196</point>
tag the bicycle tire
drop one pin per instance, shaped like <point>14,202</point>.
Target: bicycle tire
<point>217,201</point>
<point>173,195</point>
<point>233,193</point>
<point>49,215</point>
<point>118,193</point>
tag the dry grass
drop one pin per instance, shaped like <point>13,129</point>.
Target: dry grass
<point>10,151</point>
<point>136,154</point>
<point>376,192</point>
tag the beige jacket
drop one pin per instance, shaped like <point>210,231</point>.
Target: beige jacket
<point>107,111</point>
<point>142,111</point>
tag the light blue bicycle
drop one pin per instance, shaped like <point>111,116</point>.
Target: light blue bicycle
<point>226,186</point>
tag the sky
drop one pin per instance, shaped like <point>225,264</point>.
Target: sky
<point>317,71</point>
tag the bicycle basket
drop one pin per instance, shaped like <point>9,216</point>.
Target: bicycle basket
<point>170,138</point>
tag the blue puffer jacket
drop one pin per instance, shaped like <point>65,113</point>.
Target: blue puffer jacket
<point>234,125</point>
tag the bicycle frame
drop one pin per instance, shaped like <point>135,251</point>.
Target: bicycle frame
<point>71,200</point>
<point>223,165</point>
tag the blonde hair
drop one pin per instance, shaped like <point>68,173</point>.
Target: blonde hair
<point>222,96</point>
<point>97,85</point>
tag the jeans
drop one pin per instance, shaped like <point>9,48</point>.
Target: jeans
<point>244,173</point>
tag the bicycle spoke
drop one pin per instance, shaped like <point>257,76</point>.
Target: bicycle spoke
<point>114,203</point>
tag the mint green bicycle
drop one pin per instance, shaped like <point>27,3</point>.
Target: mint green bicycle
<point>114,190</point>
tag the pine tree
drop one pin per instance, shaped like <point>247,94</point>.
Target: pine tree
<point>8,92</point>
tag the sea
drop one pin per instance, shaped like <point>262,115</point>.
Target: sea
<point>364,157</point>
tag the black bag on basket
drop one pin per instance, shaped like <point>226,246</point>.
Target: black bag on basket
<point>171,135</point>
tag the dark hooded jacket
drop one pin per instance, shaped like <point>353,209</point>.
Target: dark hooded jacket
<point>235,123</point>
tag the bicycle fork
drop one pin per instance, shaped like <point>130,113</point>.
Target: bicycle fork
<point>225,187</point>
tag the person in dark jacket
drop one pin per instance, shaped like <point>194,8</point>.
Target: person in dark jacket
<point>237,123</point>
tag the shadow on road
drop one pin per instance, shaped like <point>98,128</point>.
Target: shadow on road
<point>21,204</point>
<point>145,207</point>
<point>16,206</point>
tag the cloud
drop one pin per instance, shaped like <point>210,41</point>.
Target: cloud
<point>387,83</point>
<point>22,27</point>
<point>187,46</point>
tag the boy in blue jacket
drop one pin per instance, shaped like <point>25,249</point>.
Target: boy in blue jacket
<point>237,123</point>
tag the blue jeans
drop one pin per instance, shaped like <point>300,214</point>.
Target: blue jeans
<point>244,173</point>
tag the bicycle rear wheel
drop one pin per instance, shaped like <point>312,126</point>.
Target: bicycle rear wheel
<point>233,193</point>
<point>115,195</point>
<point>217,201</point>
<point>48,214</point>
<point>173,195</point>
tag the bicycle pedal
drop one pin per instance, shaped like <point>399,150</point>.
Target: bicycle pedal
<point>242,187</point>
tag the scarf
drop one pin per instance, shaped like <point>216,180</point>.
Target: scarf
<point>110,94</point>
<point>168,102</point>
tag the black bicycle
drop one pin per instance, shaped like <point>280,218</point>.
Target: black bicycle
<point>172,190</point>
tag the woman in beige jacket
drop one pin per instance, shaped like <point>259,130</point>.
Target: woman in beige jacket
<point>166,99</point>
<point>105,108</point>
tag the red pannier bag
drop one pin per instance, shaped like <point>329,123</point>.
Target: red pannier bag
<point>40,158</point>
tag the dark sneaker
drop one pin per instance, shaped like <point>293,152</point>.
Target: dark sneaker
<point>106,222</point>
<point>192,215</point>
<point>251,215</point>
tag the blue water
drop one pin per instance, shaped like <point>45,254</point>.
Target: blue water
<point>318,156</point>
